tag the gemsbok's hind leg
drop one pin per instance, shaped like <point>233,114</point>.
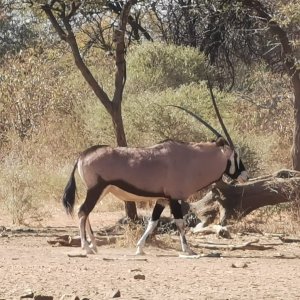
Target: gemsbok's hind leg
<point>176,210</point>
<point>90,233</point>
<point>91,199</point>
<point>157,211</point>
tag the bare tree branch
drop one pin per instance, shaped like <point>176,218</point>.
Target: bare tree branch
<point>47,8</point>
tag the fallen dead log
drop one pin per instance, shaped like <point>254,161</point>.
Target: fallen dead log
<point>77,255</point>
<point>124,258</point>
<point>69,241</point>
<point>245,246</point>
<point>235,201</point>
<point>219,230</point>
<point>289,240</point>
<point>210,255</point>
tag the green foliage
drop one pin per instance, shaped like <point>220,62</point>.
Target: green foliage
<point>157,66</point>
<point>63,116</point>
<point>153,120</point>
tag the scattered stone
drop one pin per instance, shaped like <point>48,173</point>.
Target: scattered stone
<point>3,233</point>
<point>139,277</point>
<point>69,297</point>
<point>213,254</point>
<point>77,255</point>
<point>27,294</point>
<point>115,293</point>
<point>240,265</point>
<point>41,297</point>
<point>135,270</point>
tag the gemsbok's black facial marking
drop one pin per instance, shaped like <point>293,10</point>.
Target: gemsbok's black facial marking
<point>235,167</point>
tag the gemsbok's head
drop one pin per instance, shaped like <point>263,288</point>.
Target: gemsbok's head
<point>235,168</point>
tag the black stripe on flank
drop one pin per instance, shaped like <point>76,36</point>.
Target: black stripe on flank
<point>127,187</point>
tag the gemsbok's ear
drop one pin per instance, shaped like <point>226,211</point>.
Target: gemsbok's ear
<point>221,142</point>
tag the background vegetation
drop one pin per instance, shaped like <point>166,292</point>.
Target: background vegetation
<point>48,114</point>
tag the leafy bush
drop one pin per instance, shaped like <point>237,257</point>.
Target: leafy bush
<point>157,66</point>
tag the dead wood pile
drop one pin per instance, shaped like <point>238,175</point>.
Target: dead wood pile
<point>234,201</point>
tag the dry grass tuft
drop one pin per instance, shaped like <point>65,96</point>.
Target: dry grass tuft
<point>281,219</point>
<point>132,233</point>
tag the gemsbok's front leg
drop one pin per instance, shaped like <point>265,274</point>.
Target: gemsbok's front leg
<point>157,211</point>
<point>176,210</point>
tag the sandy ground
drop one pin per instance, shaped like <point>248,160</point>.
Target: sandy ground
<point>29,263</point>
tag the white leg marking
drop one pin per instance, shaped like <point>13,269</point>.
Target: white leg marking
<point>84,243</point>
<point>185,247</point>
<point>93,245</point>
<point>141,243</point>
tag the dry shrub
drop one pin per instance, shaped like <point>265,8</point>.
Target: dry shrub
<point>42,131</point>
<point>18,197</point>
<point>265,114</point>
<point>31,87</point>
<point>281,219</point>
<point>17,189</point>
<point>132,233</point>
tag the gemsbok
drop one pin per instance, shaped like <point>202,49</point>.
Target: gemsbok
<point>169,171</point>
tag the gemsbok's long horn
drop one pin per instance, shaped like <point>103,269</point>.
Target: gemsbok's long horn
<point>198,118</point>
<point>219,115</point>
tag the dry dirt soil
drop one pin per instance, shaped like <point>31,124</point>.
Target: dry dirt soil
<point>30,265</point>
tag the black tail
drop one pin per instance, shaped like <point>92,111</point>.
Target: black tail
<point>69,193</point>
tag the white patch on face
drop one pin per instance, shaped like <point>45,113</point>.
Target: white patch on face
<point>237,157</point>
<point>232,164</point>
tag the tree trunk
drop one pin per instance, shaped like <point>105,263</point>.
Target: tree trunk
<point>236,201</point>
<point>130,207</point>
<point>113,107</point>
<point>296,136</point>
<point>120,79</point>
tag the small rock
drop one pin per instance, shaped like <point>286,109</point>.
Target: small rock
<point>27,294</point>
<point>240,265</point>
<point>139,276</point>
<point>115,293</point>
<point>214,254</point>
<point>135,270</point>
<point>41,297</point>
<point>69,297</point>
